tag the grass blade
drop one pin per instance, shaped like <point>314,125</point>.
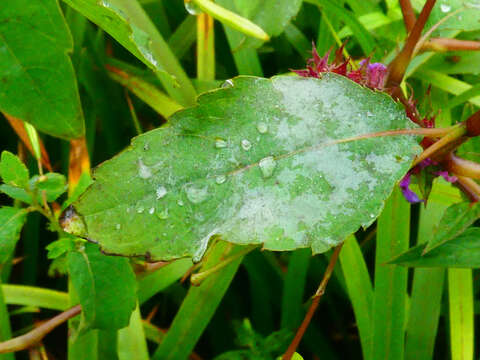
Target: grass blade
<point>199,306</point>
<point>132,343</point>
<point>35,296</point>
<point>460,296</point>
<point>160,279</point>
<point>293,288</point>
<point>364,38</point>
<point>426,298</point>
<point>246,59</point>
<point>298,40</point>
<point>183,37</point>
<point>446,83</point>
<point>5,332</point>
<point>360,291</point>
<point>390,293</point>
<point>205,47</point>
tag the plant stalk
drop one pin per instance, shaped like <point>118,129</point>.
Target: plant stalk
<point>315,301</point>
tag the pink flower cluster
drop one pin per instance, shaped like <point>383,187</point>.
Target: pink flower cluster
<point>369,74</point>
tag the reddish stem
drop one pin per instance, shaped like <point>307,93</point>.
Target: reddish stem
<point>443,44</point>
<point>408,14</point>
<point>462,167</point>
<point>469,187</point>
<point>316,299</point>
<point>35,336</point>
<point>399,65</point>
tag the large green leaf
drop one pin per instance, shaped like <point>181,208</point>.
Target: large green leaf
<point>462,251</point>
<point>37,81</point>
<point>260,12</point>
<point>105,286</point>
<point>262,162</point>
<point>11,222</point>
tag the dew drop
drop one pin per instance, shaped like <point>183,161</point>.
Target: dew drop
<point>180,203</point>
<point>246,145</point>
<point>220,143</point>
<point>146,147</point>
<point>262,128</point>
<point>369,114</point>
<point>118,226</point>
<point>192,8</point>
<point>372,216</point>
<point>162,215</point>
<point>196,194</point>
<point>161,192</point>
<point>128,210</point>
<point>140,209</point>
<point>151,211</point>
<point>220,179</point>
<point>143,170</point>
<point>227,84</point>
<point>445,8</point>
<point>267,166</point>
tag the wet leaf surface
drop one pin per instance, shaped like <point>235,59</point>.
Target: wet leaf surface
<point>260,161</point>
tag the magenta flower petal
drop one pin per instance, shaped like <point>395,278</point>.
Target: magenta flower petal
<point>444,174</point>
<point>376,73</point>
<point>409,195</point>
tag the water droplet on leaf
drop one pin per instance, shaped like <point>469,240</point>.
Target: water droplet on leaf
<point>220,179</point>
<point>220,143</point>
<point>267,166</point>
<point>151,211</point>
<point>227,84</point>
<point>262,128</point>
<point>445,8</point>
<point>246,145</point>
<point>118,226</point>
<point>192,8</point>
<point>161,192</point>
<point>143,170</point>
<point>140,209</point>
<point>196,194</point>
<point>162,215</point>
<point>180,203</point>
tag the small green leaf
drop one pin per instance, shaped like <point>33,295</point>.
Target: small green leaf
<point>463,252</point>
<point>37,80</point>
<point>52,184</point>
<point>273,164</point>
<point>105,286</point>
<point>59,247</point>
<point>11,222</point>
<point>16,193</point>
<point>455,220</point>
<point>13,171</point>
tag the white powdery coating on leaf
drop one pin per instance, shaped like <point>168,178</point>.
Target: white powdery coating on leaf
<point>143,170</point>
